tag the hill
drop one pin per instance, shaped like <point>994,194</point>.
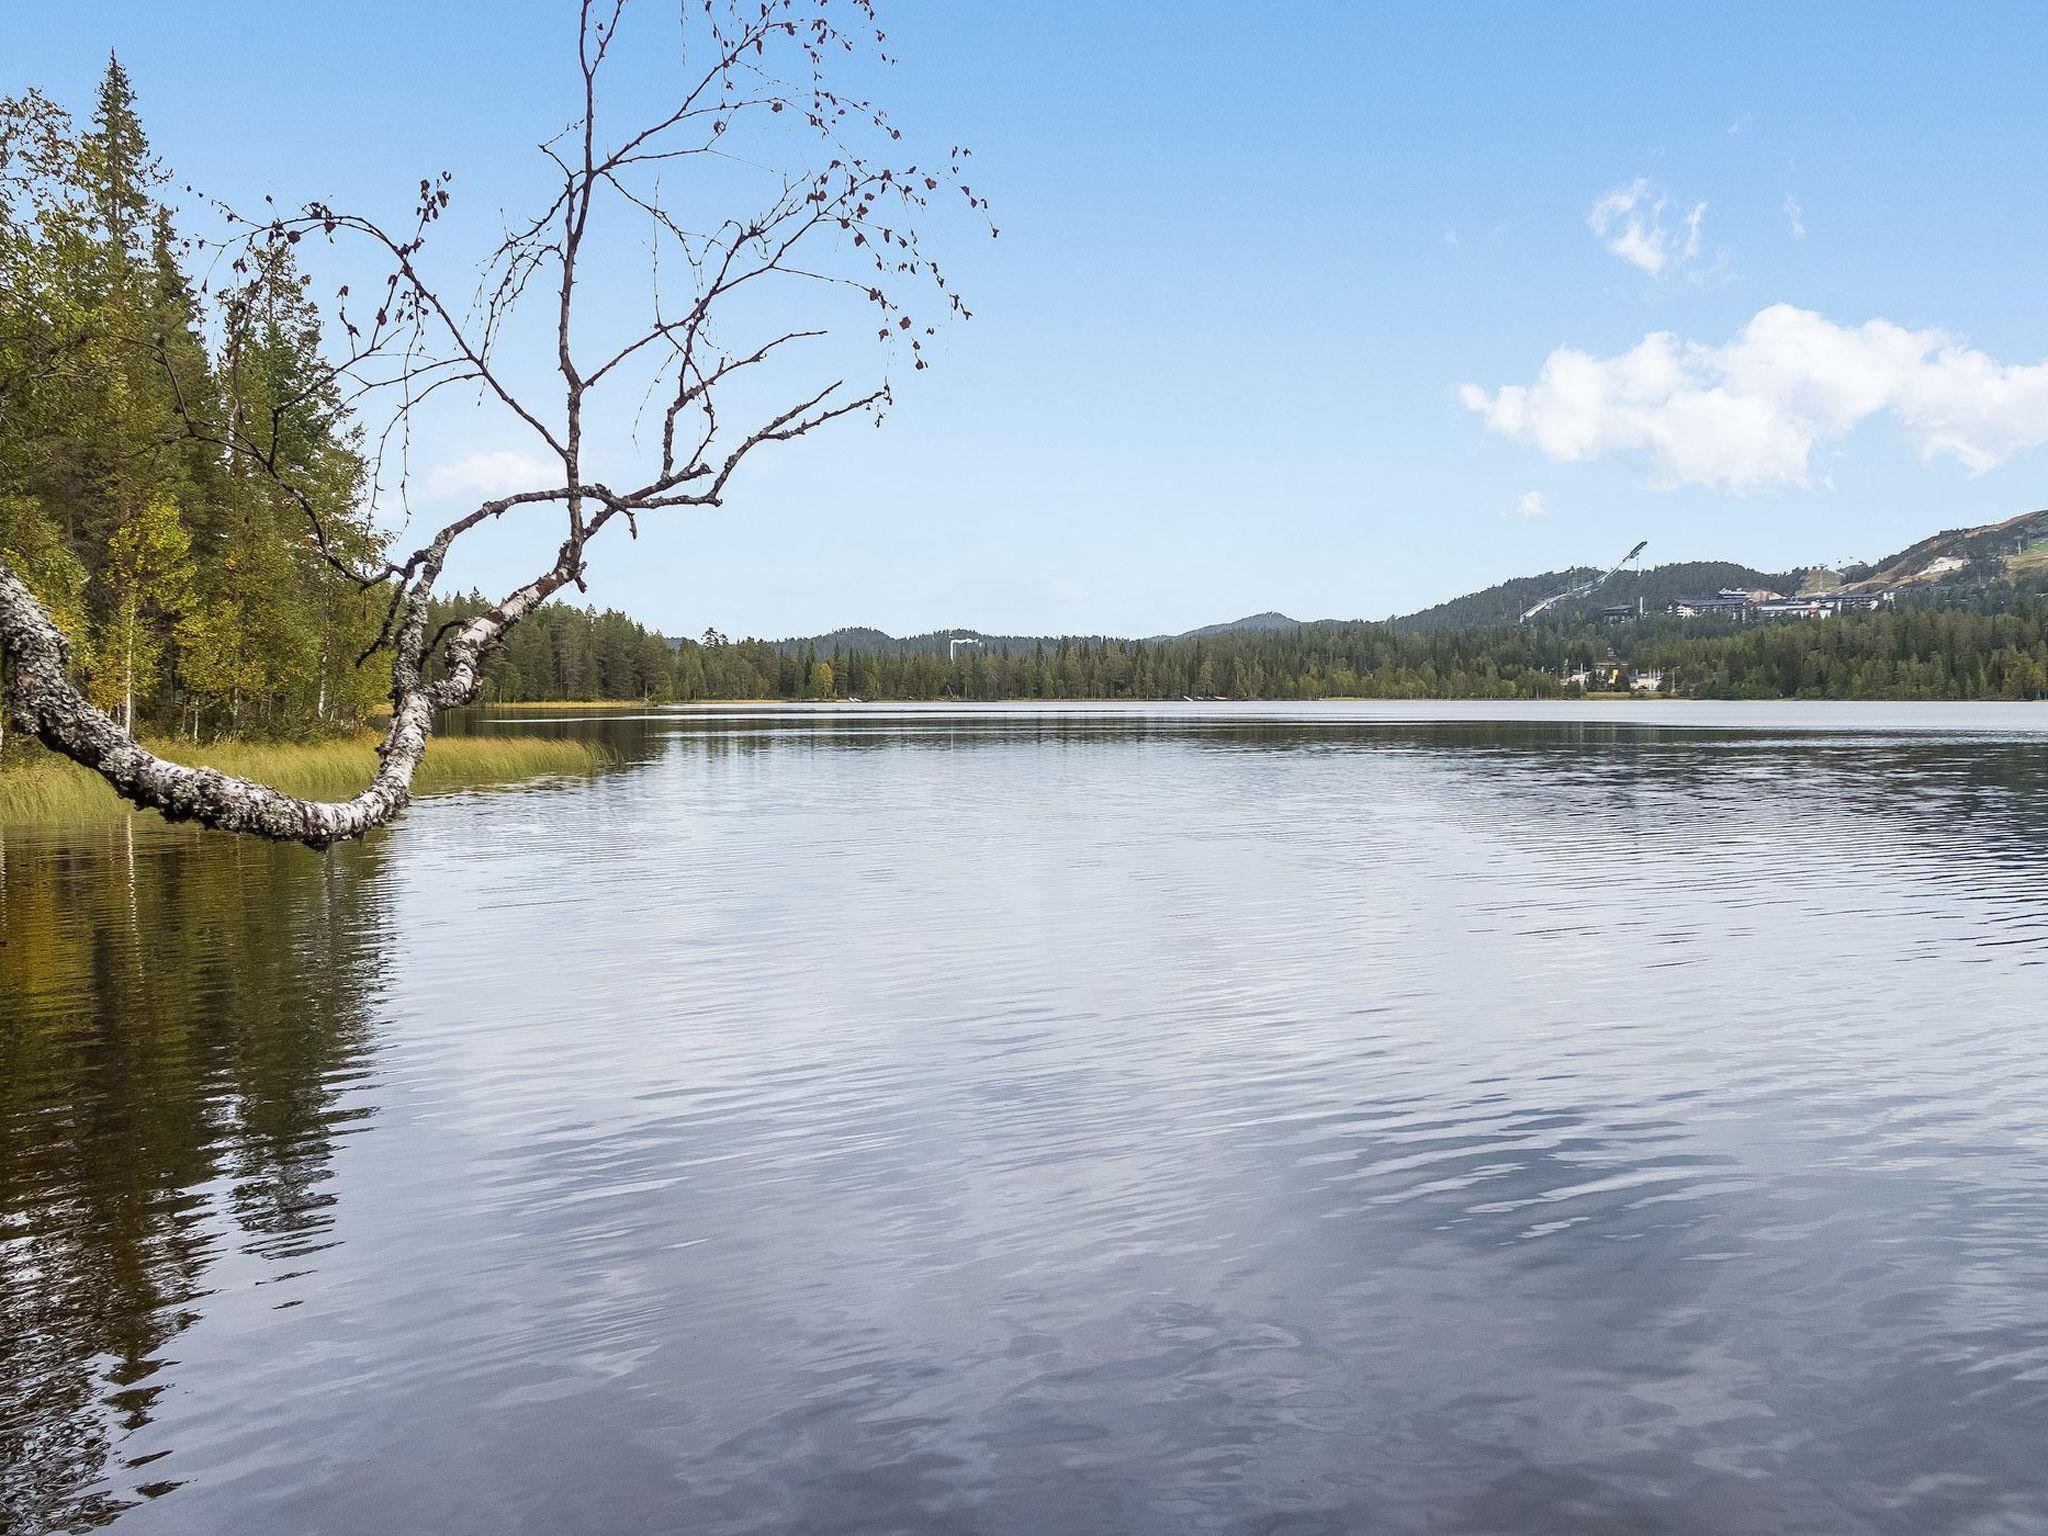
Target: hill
<point>1658,587</point>
<point>1961,558</point>
<point>939,642</point>
<point>1265,623</point>
<point>2017,547</point>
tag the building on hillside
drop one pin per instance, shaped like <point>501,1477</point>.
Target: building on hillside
<point>1724,604</point>
<point>1854,602</point>
<point>1734,603</point>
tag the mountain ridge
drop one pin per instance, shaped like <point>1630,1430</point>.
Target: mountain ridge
<point>2016,546</point>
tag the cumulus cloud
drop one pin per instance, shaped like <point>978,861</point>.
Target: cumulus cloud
<point>498,473</point>
<point>1796,215</point>
<point>1630,223</point>
<point>1747,416</point>
<point>1532,504</point>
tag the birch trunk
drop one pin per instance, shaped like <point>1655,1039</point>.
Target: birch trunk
<point>41,700</point>
<point>37,692</point>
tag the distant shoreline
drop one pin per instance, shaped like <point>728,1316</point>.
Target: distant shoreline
<point>1552,700</point>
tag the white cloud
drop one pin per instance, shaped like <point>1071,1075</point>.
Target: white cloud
<point>1532,504</point>
<point>1796,215</point>
<point>1450,235</point>
<point>1747,416</point>
<point>1630,223</point>
<point>485,475</point>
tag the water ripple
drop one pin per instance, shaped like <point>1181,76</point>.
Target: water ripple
<point>1232,1121</point>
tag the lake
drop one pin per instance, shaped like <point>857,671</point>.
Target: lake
<point>1381,1118</point>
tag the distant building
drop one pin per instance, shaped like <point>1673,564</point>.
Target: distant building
<point>1847,602</point>
<point>1646,682</point>
<point>1732,602</point>
<point>1724,604</point>
<point>1619,613</point>
<point>1796,608</point>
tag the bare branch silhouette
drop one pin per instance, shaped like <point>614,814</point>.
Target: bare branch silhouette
<point>837,218</point>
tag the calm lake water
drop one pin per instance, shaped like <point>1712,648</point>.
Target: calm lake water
<point>1572,1120</point>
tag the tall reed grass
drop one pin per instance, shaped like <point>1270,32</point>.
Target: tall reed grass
<point>47,790</point>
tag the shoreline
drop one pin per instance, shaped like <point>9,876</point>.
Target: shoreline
<point>1609,697</point>
<point>48,791</point>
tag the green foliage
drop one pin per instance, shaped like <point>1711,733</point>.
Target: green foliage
<point>1989,645</point>
<point>37,551</point>
<point>146,580</point>
<point>1996,648</point>
<point>197,594</point>
<point>1310,661</point>
<point>560,653</point>
<point>1656,588</point>
<point>48,790</point>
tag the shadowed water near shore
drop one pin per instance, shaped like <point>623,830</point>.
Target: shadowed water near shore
<point>1243,1119</point>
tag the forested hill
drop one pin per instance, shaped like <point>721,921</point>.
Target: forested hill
<point>1658,588</point>
<point>1958,560</point>
<point>945,642</point>
<point>936,642</point>
<point>1253,624</point>
<point>1988,641</point>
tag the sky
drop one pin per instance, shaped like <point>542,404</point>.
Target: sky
<point>1337,310</point>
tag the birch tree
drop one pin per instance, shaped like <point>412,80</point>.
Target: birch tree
<point>778,211</point>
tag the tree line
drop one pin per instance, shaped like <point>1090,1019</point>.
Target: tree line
<point>1997,651</point>
<point>1993,646</point>
<point>193,595</point>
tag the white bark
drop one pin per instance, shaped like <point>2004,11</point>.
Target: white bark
<point>42,700</point>
<point>37,692</point>
<point>417,344</point>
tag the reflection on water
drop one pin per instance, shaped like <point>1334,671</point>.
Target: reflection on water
<point>179,1027</point>
<point>1025,1122</point>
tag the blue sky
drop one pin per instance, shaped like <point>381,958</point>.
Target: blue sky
<point>1338,310</point>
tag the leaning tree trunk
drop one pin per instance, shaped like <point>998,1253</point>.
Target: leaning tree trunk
<point>37,691</point>
<point>42,700</point>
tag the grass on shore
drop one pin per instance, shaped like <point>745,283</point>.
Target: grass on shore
<point>47,790</point>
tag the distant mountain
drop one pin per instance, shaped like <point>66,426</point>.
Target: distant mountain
<point>2017,547</point>
<point>1507,601</point>
<point>1256,623</point>
<point>939,642</point>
